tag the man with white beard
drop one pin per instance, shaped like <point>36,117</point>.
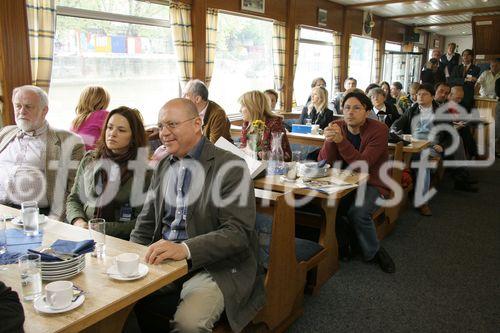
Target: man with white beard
<point>34,157</point>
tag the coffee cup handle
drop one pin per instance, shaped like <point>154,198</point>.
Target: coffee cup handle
<point>51,299</point>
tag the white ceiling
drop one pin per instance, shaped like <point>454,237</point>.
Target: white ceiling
<point>434,8</point>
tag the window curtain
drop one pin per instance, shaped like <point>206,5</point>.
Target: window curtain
<point>279,41</point>
<point>375,77</point>
<point>349,56</point>
<point>337,40</point>
<point>41,30</point>
<point>295,58</point>
<point>180,22</point>
<point>212,16</point>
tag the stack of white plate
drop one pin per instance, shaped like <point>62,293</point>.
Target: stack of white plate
<point>61,270</point>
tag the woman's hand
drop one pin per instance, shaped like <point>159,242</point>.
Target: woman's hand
<point>79,222</point>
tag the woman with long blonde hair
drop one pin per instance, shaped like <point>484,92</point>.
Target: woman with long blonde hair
<point>255,106</point>
<point>91,114</point>
<point>317,111</point>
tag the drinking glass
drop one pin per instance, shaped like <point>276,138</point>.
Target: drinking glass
<point>296,156</point>
<point>29,210</point>
<point>97,228</point>
<point>3,236</point>
<point>31,278</point>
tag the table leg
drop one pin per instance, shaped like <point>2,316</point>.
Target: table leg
<point>111,324</point>
<point>327,238</point>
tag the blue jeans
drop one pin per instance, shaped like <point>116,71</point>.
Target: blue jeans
<point>360,218</point>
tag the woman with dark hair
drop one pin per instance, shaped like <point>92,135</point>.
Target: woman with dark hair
<point>103,189</point>
<point>370,87</point>
<point>386,87</point>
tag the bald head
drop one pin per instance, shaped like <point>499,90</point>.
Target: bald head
<point>180,126</point>
<point>184,105</point>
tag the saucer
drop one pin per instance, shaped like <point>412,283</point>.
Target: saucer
<point>17,220</point>
<point>41,306</point>
<point>114,274</point>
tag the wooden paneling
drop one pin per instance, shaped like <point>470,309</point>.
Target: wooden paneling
<point>14,50</point>
<point>275,9</point>
<point>306,13</point>
<point>485,35</point>
<point>199,25</point>
<point>394,31</point>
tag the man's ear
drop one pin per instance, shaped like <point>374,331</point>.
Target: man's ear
<point>197,99</point>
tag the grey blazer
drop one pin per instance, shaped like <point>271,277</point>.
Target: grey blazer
<point>63,154</point>
<point>222,240</point>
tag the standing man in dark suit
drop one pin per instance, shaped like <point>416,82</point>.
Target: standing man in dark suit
<point>197,211</point>
<point>214,120</point>
<point>466,75</point>
<point>450,60</point>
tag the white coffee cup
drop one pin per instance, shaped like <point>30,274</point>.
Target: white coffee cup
<point>127,264</point>
<point>59,294</point>
<point>315,129</point>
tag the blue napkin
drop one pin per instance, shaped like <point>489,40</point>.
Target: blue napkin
<point>66,246</point>
<point>17,245</point>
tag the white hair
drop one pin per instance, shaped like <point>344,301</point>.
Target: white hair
<point>44,99</point>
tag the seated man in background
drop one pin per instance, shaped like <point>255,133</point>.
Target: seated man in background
<point>349,83</point>
<point>442,92</point>
<point>214,120</point>
<point>419,121</point>
<point>485,84</point>
<point>272,95</point>
<point>184,217</point>
<point>358,138</point>
<point>461,176</point>
<point>35,157</point>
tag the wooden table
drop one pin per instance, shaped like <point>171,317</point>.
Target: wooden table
<point>328,204</point>
<point>487,113</point>
<point>318,140</point>
<point>107,302</point>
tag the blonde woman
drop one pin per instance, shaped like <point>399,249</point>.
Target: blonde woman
<point>317,111</point>
<point>90,115</point>
<point>255,106</point>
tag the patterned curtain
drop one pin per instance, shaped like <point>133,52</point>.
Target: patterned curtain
<point>180,22</point>
<point>337,40</point>
<point>279,41</point>
<point>375,61</point>
<point>212,16</point>
<point>296,49</point>
<point>41,28</point>
<point>295,58</point>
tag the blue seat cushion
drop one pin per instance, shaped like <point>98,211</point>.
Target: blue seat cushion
<point>304,249</point>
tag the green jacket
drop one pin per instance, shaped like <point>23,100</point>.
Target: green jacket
<point>85,183</point>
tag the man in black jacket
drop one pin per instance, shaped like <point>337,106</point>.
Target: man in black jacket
<point>11,310</point>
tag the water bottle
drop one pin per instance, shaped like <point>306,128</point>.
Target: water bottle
<point>276,163</point>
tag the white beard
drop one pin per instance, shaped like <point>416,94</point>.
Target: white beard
<point>25,125</point>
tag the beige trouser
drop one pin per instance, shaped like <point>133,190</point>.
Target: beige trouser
<point>201,305</point>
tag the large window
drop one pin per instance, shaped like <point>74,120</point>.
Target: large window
<point>243,59</point>
<point>392,46</point>
<point>124,46</point>
<point>360,60</point>
<point>315,60</point>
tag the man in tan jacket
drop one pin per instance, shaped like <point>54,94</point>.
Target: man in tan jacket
<point>38,161</point>
<point>214,120</point>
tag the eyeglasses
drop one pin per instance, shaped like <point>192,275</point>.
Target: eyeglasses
<point>354,108</point>
<point>173,124</point>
